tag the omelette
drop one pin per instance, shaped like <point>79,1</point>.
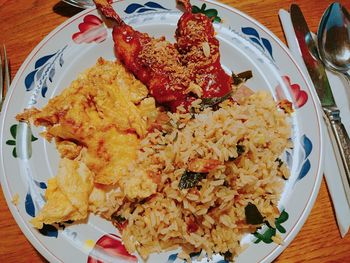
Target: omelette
<point>67,194</point>
<point>97,124</point>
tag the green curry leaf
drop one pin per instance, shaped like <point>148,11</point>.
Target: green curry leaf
<point>191,179</point>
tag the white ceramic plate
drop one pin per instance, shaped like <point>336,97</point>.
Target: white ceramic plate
<point>28,162</point>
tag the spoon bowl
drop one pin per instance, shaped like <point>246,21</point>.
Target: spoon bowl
<point>84,4</point>
<point>334,39</point>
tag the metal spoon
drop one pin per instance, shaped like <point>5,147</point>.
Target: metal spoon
<point>334,39</point>
<point>80,3</point>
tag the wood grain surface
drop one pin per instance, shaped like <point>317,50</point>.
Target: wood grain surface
<point>24,23</point>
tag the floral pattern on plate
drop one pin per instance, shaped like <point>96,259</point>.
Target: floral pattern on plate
<point>299,95</point>
<point>111,246</point>
<point>90,30</point>
<point>255,37</point>
<point>142,8</point>
<point>44,71</point>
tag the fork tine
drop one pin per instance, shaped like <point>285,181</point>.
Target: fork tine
<point>1,81</point>
<point>7,71</point>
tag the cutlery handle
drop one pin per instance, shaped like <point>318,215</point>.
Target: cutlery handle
<point>341,145</point>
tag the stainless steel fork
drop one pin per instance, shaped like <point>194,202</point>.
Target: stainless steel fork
<point>4,75</point>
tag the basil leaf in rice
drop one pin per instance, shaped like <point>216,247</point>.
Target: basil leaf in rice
<point>228,256</point>
<point>118,218</point>
<point>241,77</point>
<point>211,102</point>
<point>191,179</point>
<point>240,150</point>
<point>252,214</point>
<point>280,162</point>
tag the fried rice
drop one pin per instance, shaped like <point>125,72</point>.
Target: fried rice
<point>238,146</point>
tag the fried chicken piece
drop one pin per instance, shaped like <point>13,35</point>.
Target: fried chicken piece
<point>168,69</point>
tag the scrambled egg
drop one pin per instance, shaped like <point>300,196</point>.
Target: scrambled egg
<point>67,194</point>
<point>141,186</point>
<point>97,124</point>
<point>104,111</point>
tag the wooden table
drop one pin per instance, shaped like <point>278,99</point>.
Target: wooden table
<point>24,23</point>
